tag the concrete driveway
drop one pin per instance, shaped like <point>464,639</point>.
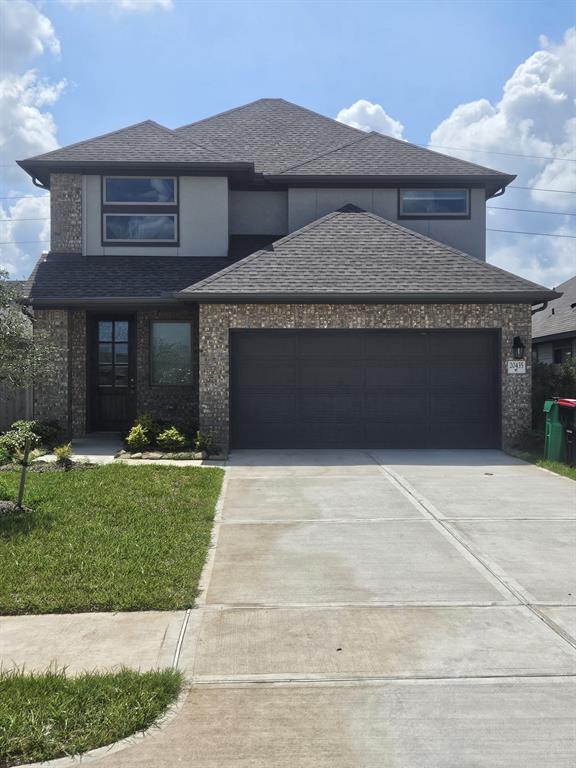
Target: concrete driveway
<point>382,610</point>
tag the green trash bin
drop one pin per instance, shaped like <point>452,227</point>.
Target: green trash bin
<point>555,443</point>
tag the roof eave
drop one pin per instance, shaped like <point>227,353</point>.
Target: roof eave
<point>512,297</point>
<point>83,302</point>
<point>41,169</point>
<point>489,181</point>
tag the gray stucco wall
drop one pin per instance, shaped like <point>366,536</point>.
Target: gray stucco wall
<point>203,220</point>
<point>216,320</point>
<point>469,235</point>
<point>258,213</point>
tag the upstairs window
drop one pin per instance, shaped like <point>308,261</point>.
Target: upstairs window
<point>139,210</point>
<point>439,203</point>
<point>124,190</point>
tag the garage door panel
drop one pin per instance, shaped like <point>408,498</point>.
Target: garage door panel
<point>255,406</point>
<point>460,407</point>
<point>268,371</point>
<point>395,372</point>
<point>330,343</point>
<point>460,374</point>
<point>395,406</point>
<point>330,406</point>
<point>398,343</point>
<point>311,388</point>
<point>331,372</point>
<point>265,343</point>
<point>461,344</point>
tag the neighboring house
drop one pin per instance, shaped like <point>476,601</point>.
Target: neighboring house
<point>282,279</point>
<point>15,402</point>
<point>554,328</point>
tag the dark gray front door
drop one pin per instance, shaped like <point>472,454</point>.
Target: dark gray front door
<point>112,373</point>
<point>399,389</point>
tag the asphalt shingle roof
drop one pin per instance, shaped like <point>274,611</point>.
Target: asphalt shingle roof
<point>374,154</point>
<point>146,142</point>
<point>558,317</point>
<point>66,277</point>
<point>356,254</point>
<point>276,139</point>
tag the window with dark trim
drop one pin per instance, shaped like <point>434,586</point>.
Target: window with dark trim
<point>561,353</point>
<point>140,210</point>
<point>170,353</point>
<point>439,203</point>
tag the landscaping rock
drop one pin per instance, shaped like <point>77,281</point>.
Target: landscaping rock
<point>10,509</point>
<point>135,455</point>
<point>200,455</point>
<point>152,455</point>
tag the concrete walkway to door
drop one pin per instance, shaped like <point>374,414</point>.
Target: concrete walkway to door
<point>381,610</point>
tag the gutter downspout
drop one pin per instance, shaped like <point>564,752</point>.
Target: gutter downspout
<point>539,309</point>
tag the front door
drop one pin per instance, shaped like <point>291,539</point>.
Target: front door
<point>112,373</point>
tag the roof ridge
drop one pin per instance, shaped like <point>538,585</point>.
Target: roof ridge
<point>260,251</point>
<point>95,138</point>
<point>224,112</point>
<point>322,154</point>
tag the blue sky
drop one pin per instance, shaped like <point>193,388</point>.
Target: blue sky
<point>115,63</point>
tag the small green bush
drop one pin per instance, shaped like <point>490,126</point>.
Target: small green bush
<point>204,442</point>
<point>138,438</point>
<point>171,439</point>
<point>5,456</point>
<point>63,455</point>
<point>4,495</point>
<point>47,432</point>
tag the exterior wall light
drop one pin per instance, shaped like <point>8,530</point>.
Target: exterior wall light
<point>518,348</point>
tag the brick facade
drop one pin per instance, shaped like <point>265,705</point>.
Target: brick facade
<point>63,393</point>
<point>66,212</point>
<point>217,319</point>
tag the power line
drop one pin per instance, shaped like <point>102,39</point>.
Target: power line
<point>522,210</point>
<point>539,189</point>
<point>21,242</point>
<point>44,218</point>
<point>540,234</point>
<point>494,152</point>
<point>25,197</point>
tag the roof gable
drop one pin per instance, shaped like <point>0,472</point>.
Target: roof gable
<point>143,142</point>
<point>353,254</point>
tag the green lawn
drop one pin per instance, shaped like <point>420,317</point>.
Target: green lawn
<point>116,538</point>
<point>48,715</point>
<point>558,467</point>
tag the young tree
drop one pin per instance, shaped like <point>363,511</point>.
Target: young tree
<point>22,358</point>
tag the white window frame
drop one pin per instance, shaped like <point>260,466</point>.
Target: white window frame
<point>157,241</point>
<point>135,202</point>
<point>403,215</point>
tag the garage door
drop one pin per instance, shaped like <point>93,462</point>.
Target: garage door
<point>400,389</point>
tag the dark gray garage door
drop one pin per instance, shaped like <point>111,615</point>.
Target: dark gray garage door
<point>401,389</point>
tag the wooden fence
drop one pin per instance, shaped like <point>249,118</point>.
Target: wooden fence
<point>14,404</point>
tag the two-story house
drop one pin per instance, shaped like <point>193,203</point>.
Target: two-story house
<point>283,279</point>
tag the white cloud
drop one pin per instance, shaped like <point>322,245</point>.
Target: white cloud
<point>27,223</point>
<point>367,116</point>
<point>142,6</point>
<point>26,33</point>
<point>27,128</point>
<point>535,116</point>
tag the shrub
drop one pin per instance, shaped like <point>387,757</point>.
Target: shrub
<point>63,455</point>
<point>204,442</point>
<point>138,438</point>
<point>4,495</point>
<point>5,456</point>
<point>551,381</point>
<point>47,432</point>
<point>171,439</point>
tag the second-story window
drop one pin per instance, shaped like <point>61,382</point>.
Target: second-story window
<point>440,203</point>
<point>139,210</point>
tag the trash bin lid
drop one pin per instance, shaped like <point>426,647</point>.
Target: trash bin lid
<point>566,402</point>
<point>548,406</point>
